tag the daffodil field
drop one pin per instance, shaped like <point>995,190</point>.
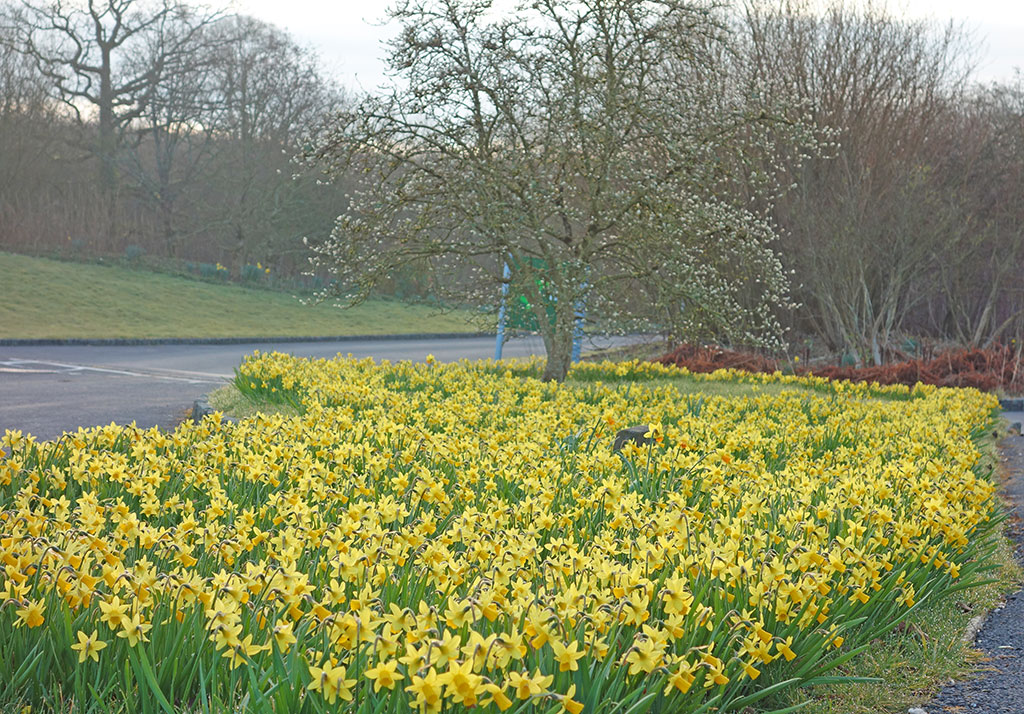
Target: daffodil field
<point>428,537</point>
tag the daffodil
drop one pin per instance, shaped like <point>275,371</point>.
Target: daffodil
<point>88,646</point>
<point>31,614</point>
<point>459,526</point>
<point>284,637</point>
<point>568,704</point>
<point>427,690</point>
<point>331,682</point>
<point>782,648</point>
<point>462,684</point>
<point>567,656</point>
<point>134,629</point>
<point>384,675</point>
<point>526,686</point>
<point>496,696</point>
<point>645,656</point>
<point>681,678</point>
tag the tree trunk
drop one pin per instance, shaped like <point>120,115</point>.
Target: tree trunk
<point>559,344</point>
<point>107,129</point>
<point>107,146</point>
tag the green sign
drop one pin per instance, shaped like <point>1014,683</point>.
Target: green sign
<point>519,311</point>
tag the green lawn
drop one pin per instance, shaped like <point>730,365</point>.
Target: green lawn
<point>42,299</point>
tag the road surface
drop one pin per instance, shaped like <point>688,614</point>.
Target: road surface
<point>47,390</point>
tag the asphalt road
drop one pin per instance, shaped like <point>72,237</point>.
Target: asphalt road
<point>47,390</point>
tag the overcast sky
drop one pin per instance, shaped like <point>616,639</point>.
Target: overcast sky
<point>348,33</point>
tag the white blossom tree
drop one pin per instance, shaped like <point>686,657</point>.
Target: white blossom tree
<point>595,147</point>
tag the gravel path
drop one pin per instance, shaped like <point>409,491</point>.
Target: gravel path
<point>998,687</point>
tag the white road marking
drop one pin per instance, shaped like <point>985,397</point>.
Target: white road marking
<point>18,370</point>
<point>166,375</point>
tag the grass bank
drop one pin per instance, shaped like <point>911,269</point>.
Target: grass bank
<point>49,299</point>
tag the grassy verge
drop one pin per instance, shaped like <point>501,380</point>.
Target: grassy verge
<point>696,387</point>
<point>925,652</point>
<point>928,649</point>
<point>639,350</point>
<point>49,299</point>
<point>231,402</point>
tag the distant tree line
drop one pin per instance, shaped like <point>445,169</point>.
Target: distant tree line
<point>913,226</point>
<point>132,128</point>
<point>853,145</point>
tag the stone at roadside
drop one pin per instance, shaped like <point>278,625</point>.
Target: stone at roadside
<point>973,628</point>
<point>634,434</point>
<point>201,408</point>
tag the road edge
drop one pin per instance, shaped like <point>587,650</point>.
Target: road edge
<point>117,342</point>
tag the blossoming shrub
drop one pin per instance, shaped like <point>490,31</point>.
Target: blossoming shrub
<point>445,537</point>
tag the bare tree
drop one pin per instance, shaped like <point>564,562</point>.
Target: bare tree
<point>272,87</point>
<point>25,112</point>
<point>272,91</point>
<point>865,225</point>
<point>174,137</point>
<point>87,52</point>
<point>977,297</point>
<point>584,145</point>
<point>207,112</point>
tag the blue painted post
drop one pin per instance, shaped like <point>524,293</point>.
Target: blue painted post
<point>577,335</point>
<point>506,273</point>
